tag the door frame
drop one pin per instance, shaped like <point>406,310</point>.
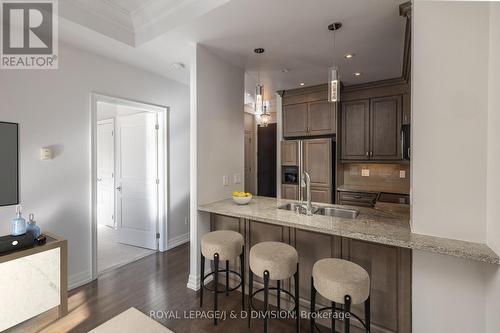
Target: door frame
<point>163,167</point>
<point>112,122</point>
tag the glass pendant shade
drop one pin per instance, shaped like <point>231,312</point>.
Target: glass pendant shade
<point>259,99</point>
<point>265,118</point>
<point>333,85</point>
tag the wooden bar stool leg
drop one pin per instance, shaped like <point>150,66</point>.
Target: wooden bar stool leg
<point>250,291</point>
<point>313,304</point>
<point>367,315</point>
<point>297,300</point>
<point>227,277</point>
<point>202,265</point>
<point>333,317</point>
<point>266,301</point>
<point>347,313</point>
<point>242,273</point>
<point>216,277</point>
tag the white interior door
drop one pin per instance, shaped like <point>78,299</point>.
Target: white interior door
<point>137,180</point>
<point>105,172</point>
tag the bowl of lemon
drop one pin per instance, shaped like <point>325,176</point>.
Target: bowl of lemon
<point>242,198</point>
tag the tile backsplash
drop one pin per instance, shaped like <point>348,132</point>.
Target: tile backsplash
<point>379,174</point>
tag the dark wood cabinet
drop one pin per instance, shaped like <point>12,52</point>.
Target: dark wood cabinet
<point>385,128</point>
<point>321,194</point>
<point>311,118</point>
<point>389,268</point>
<point>290,192</point>
<point>362,199</point>
<point>318,161</point>
<point>321,118</point>
<point>355,130</point>
<point>295,120</point>
<point>289,153</point>
<point>390,280</point>
<point>371,129</point>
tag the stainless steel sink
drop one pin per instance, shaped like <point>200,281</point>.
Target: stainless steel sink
<point>338,212</point>
<point>297,207</point>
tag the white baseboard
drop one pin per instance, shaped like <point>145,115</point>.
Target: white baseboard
<point>178,240</point>
<point>79,279</point>
<point>194,282</point>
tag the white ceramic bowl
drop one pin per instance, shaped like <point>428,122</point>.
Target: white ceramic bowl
<point>242,200</point>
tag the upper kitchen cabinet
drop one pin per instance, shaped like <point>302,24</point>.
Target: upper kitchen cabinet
<point>371,122</point>
<point>306,112</point>
<point>321,118</point>
<point>295,120</point>
<point>355,130</point>
<point>385,128</point>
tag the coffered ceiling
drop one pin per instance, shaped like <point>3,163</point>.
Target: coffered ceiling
<point>153,34</point>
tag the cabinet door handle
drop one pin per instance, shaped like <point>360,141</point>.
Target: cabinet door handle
<point>357,196</point>
<point>371,154</point>
<point>367,154</point>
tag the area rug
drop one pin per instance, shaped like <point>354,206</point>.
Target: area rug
<point>131,321</point>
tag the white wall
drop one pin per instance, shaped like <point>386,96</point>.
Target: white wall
<point>219,148</point>
<point>53,108</point>
<point>493,184</point>
<point>456,153</point>
<point>449,93</point>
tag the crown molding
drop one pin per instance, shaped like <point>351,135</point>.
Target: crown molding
<point>134,27</point>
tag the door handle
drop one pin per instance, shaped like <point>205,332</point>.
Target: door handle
<point>99,179</point>
<point>119,188</point>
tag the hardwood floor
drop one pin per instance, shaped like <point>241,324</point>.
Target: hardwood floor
<point>154,283</point>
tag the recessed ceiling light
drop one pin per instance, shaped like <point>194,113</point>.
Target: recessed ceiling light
<point>302,84</point>
<point>349,55</point>
<point>357,74</point>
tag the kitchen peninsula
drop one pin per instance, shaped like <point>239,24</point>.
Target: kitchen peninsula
<point>378,239</point>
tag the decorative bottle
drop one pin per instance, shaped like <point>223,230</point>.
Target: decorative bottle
<point>18,226</point>
<point>32,226</point>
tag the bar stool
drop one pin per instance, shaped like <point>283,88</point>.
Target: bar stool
<point>344,282</point>
<point>223,245</point>
<point>274,261</point>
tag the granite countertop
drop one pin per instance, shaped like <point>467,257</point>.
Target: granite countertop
<point>385,224</point>
<point>373,189</point>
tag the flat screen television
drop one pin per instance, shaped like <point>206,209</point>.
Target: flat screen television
<point>9,164</point>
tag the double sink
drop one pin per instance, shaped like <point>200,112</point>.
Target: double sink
<point>325,211</point>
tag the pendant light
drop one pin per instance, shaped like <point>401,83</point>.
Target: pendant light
<point>333,72</point>
<point>265,117</point>
<point>259,89</point>
<point>260,104</point>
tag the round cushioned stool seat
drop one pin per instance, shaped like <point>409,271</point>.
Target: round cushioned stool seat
<point>336,278</point>
<point>279,259</point>
<point>228,244</point>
